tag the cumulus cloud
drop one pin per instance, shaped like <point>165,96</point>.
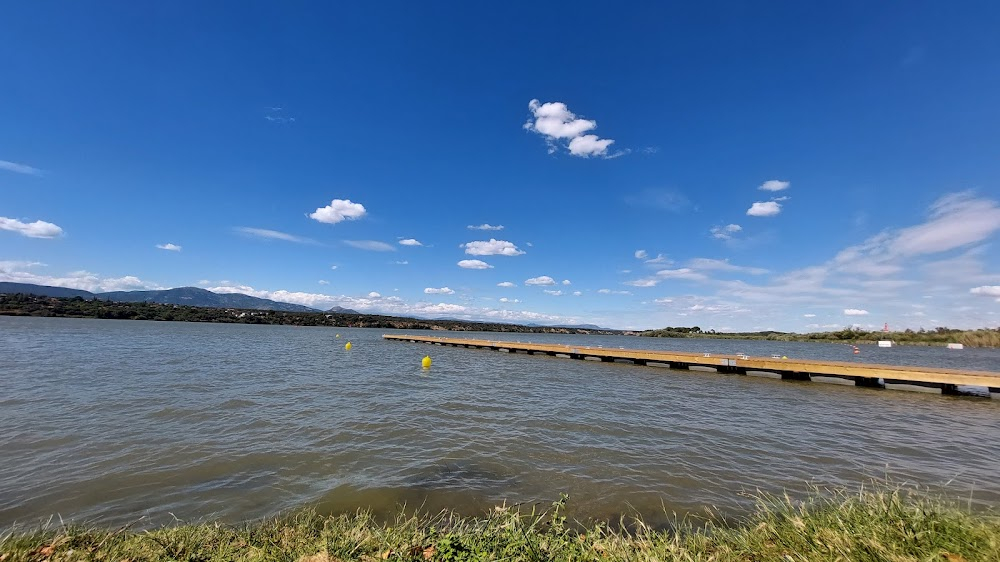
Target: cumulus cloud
<point>610,292</point>
<point>577,293</point>
<point>370,245</point>
<point>374,295</point>
<point>441,291</point>
<point>725,232</point>
<point>641,254</point>
<point>19,168</point>
<point>775,185</point>
<point>401,262</point>
<point>589,145</point>
<point>855,312</point>
<point>542,280</point>
<point>334,266</point>
<point>566,282</point>
<point>506,300</point>
<point>986,291</point>
<point>474,264</point>
<point>37,229</point>
<point>764,209</point>
<point>324,282</point>
<point>410,242</point>
<point>337,211</point>
<point>169,246</point>
<point>492,247</point>
<point>20,272</point>
<point>485,226</point>
<point>809,316</point>
<point>553,293</point>
<point>506,284</point>
<point>660,259</point>
<point>272,235</point>
<point>561,127</point>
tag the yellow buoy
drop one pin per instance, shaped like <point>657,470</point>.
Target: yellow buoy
<point>348,346</point>
<point>426,362</point>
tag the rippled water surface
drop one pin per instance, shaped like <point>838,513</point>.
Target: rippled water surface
<point>107,421</point>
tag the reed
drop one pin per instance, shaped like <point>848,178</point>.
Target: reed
<point>880,523</point>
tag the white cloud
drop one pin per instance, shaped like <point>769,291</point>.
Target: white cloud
<point>724,265</point>
<point>10,266</point>
<point>589,145</point>
<point>314,300</point>
<point>374,295</point>
<point>986,291</point>
<point>506,284</point>
<point>957,220</point>
<point>725,232</point>
<point>272,235</point>
<point>577,293</point>
<point>324,282</point>
<point>775,185</point>
<point>660,259</point>
<point>370,245</point>
<point>401,262</point>
<point>512,301</point>
<point>553,293</point>
<point>169,246</point>
<point>647,282</point>
<point>809,316</point>
<point>334,266</point>
<point>682,273</point>
<point>338,210</point>
<point>855,312</point>
<point>17,272</point>
<point>493,247</point>
<point>566,282</point>
<point>474,264</point>
<point>37,229</point>
<point>641,254</point>
<point>663,301</point>
<point>555,122</point>
<point>610,292</point>
<point>764,209</point>
<point>410,242</point>
<point>19,168</point>
<point>542,280</point>
<point>485,226</point>
<point>441,291</point>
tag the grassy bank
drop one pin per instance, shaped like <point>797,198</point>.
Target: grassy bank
<point>881,524</point>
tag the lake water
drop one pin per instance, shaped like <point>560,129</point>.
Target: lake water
<point>108,421</point>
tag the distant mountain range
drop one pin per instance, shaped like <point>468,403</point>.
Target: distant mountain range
<point>190,296</point>
<point>342,310</point>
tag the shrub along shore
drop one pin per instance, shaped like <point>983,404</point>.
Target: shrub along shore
<point>877,524</point>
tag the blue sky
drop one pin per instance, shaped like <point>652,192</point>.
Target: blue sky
<point>732,165</point>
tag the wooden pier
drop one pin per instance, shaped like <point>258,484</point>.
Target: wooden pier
<point>945,381</point>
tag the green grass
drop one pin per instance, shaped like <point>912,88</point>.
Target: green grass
<point>880,524</point>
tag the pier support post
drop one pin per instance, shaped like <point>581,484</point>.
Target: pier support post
<point>868,382</point>
<point>639,362</point>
